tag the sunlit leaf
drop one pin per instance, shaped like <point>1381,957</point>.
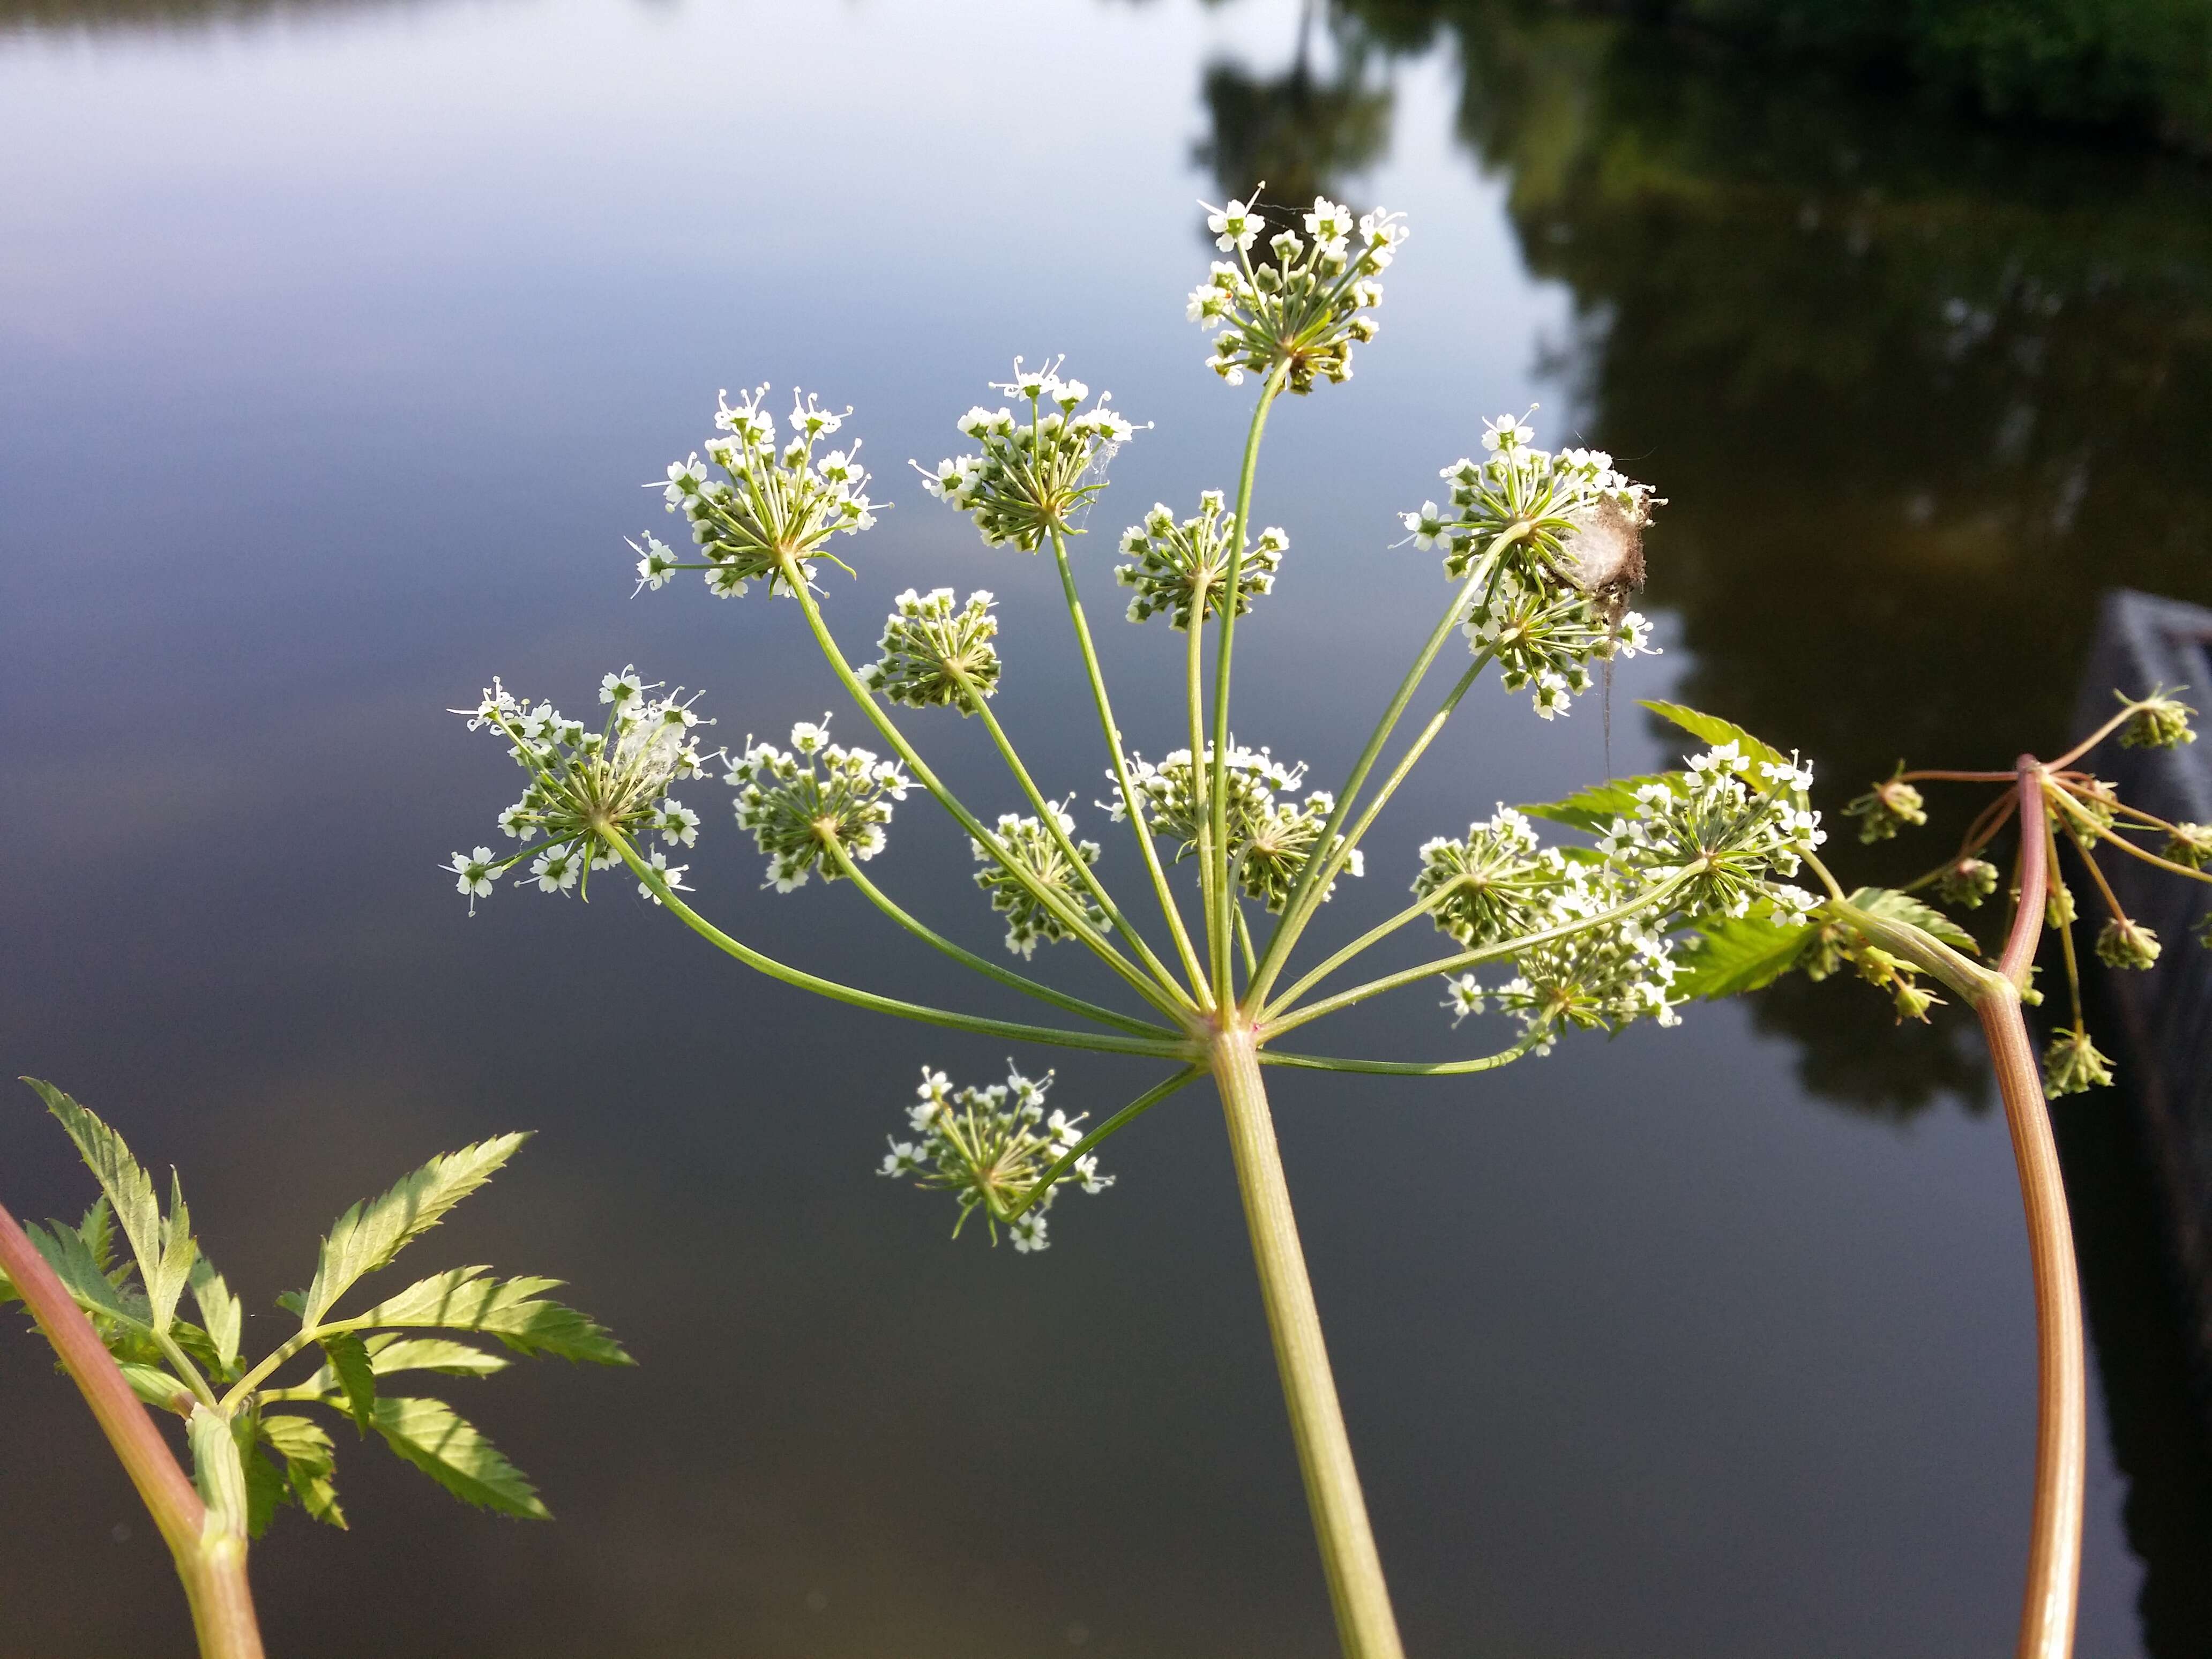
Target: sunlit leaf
<point>429,1435</point>
<point>1893,906</point>
<point>357,1381</point>
<point>172,1270</point>
<point>220,1309</point>
<point>1715,730</point>
<point>75,1266</point>
<point>128,1187</point>
<point>388,1354</point>
<point>310,1463</point>
<point>511,1309</point>
<point>1594,809</point>
<point>367,1235</point>
<point>1736,954</point>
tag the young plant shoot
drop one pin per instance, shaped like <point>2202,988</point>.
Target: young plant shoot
<point>110,1293</point>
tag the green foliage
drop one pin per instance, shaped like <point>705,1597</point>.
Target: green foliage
<point>250,1460</point>
<point>1736,954</point>
<point>1715,730</point>
<point>448,1449</point>
<point>1591,809</point>
<point>367,1235</point>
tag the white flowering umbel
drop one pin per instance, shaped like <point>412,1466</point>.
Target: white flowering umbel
<point>1722,831</point>
<point>1302,314</point>
<point>1271,837</point>
<point>1597,978</point>
<point>1033,477</point>
<point>1029,844</point>
<point>1170,565</point>
<point>585,787</point>
<point>801,802</point>
<point>769,504</point>
<point>1553,598</point>
<point>936,654</point>
<point>990,1148</point>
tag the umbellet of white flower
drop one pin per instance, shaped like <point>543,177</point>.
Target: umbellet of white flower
<point>1030,844</point>
<point>770,503</point>
<point>1728,825</point>
<point>990,1147</point>
<point>1303,313</point>
<point>1547,638</point>
<point>1171,564</point>
<point>1034,477</point>
<point>798,801</point>
<point>1583,521</point>
<point>1270,837</point>
<point>930,648</point>
<point>1491,884</point>
<point>584,786</point>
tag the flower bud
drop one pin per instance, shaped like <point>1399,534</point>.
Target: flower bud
<point>2125,944</point>
<point>2157,722</point>
<point>1968,882</point>
<point>2072,1066</point>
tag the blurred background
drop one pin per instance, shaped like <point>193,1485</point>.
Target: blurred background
<point>336,336</point>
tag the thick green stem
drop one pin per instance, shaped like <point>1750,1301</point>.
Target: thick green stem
<point>1218,918</point>
<point>1133,803</point>
<point>1365,1625</point>
<point>211,1566</point>
<point>1166,1048</point>
<point>983,965</point>
<point>1201,795</point>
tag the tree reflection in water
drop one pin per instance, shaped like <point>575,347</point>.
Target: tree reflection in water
<point>1919,389</point>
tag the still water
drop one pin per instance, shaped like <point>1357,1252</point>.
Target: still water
<point>335,341</point>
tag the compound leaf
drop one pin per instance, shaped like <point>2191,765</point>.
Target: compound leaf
<point>97,1230</point>
<point>430,1435</point>
<point>388,1354</point>
<point>511,1309</point>
<point>173,1269</point>
<point>367,1235</point>
<point>75,1264</point>
<point>127,1186</point>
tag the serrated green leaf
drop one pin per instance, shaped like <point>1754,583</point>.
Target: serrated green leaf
<point>265,1491</point>
<point>1595,809</point>
<point>511,1309</point>
<point>1715,730</point>
<point>218,1470</point>
<point>220,1309</point>
<point>357,1381</point>
<point>310,1463</point>
<point>446,1448</point>
<point>172,1270</point>
<point>1733,955</point>
<point>1894,906</point>
<point>156,1388</point>
<point>128,1187</point>
<point>367,1235</point>
<point>74,1265</point>
<point>97,1230</point>
<point>388,1354</point>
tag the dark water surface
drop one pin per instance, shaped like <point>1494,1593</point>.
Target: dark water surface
<point>334,342</point>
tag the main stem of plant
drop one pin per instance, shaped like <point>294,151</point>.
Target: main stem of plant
<point>2054,1548</point>
<point>2054,1551</point>
<point>1366,1626</point>
<point>210,1560</point>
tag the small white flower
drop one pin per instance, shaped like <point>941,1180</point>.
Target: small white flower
<point>1463,996</point>
<point>621,689</point>
<point>475,872</point>
<point>672,875</point>
<point>1233,226</point>
<point>556,869</point>
<point>1028,1231</point>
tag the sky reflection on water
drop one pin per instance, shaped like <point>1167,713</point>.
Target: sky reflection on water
<point>340,340</point>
